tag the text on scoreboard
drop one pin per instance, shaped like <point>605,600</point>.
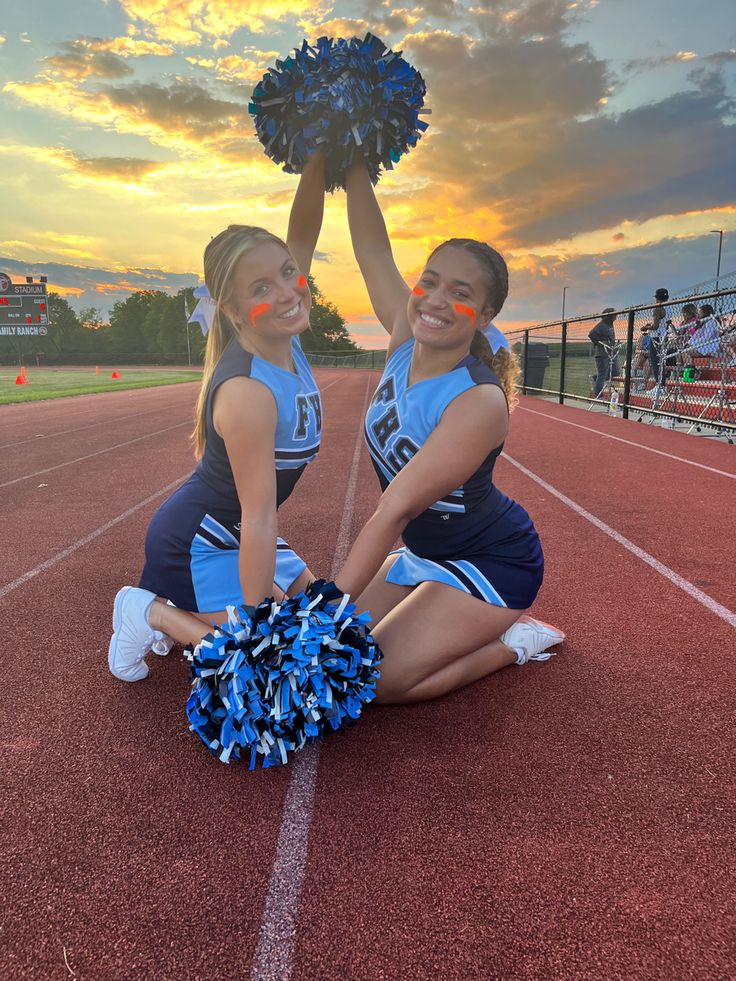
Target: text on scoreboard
<point>23,307</point>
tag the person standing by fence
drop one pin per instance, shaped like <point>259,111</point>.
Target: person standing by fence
<point>661,324</point>
<point>603,338</point>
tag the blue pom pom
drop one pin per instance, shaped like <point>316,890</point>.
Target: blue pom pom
<point>353,98</point>
<point>266,683</point>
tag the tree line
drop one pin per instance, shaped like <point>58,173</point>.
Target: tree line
<point>150,327</point>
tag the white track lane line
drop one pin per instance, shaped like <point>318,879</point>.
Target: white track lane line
<point>664,570</point>
<point>88,456</point>
<point>629,442</point>
<point>9,587</point>
<point>113,420</point>
<point>274,953</point>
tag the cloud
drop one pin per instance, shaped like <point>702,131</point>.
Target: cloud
<point>473,82</point>
<point>79,60</point>
<point>647,64</point>
<point>183,115</point>
<point>663,158</point>
<point>186,22</point>
<point>721,57</point>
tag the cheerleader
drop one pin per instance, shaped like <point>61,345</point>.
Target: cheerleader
<point>448,606</point>
<point>215,541</point>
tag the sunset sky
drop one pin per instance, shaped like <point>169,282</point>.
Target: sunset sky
<point>593,143</point>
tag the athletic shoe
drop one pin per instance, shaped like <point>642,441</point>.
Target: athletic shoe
<point>133,636</point>
<point>531,639</point>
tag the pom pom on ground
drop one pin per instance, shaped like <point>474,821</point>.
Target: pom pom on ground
<point>269,681</point>
<point>353,99</point>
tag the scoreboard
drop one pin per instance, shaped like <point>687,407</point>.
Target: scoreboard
<point>23,308</point>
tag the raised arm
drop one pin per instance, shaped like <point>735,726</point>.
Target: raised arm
<point>387,290</point>
<point>307,210</point>
<point>472,425</point>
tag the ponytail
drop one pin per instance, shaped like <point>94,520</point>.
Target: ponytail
<point>503,363</point>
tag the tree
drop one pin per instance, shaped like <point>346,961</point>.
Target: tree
<point>131,337</point>
<point>67,337</point>
<point>91,318</point>
<point>327,328</point>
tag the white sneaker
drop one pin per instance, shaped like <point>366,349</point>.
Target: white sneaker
<point>531,639</point>
<point>133,636</point>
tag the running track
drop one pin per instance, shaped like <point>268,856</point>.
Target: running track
<point>571,820</point>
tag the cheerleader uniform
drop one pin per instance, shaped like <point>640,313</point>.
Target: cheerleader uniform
<point>475,539</point>
<point>193,541</point>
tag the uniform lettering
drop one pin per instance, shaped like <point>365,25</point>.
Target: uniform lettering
<point>302,417</point>
<point>401,453</point>
<point>386,393</point>
<point>317,407</point>
<point>385,426</point>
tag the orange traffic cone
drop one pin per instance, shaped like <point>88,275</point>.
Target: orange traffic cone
<point>115,374</point>
<point>22,379</point>
<point>97,370</point>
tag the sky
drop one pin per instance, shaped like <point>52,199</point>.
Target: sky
<point>592,143</point>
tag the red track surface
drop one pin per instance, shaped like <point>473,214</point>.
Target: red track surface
<point>572,819</point>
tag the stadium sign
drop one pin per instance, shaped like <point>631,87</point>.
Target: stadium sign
<point>23,308</point>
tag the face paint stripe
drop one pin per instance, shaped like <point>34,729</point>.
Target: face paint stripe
<point>461,308</point>
<point>418,291</point>
<point>258,310</point>
<point>302,282</point>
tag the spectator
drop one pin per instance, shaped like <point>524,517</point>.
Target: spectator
<point>642,357</point>
<point>706,341</point>
<point>603,337</point>
<point>661,323</point>
<point>689,320</point>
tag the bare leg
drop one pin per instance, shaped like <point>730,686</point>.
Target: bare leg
<point>380,597</point>
<point>438,639</point>
<point>189,628</point>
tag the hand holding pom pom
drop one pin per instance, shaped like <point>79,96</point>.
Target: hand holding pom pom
<point>353,98</point>
<point>270,680</point>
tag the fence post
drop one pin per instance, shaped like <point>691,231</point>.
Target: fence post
<point>629,359</point>
<point>373,359</point>
<point>563,358</point>
<point>526,361</point>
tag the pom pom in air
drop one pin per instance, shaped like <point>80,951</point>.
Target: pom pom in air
<point>267,682</point>
<point>352,98</point>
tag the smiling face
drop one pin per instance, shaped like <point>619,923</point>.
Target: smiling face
<point>450,301</point>
<point>270,297</point>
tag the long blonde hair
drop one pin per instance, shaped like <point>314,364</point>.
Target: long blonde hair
<point>220,258</point>
<point>503,362</point>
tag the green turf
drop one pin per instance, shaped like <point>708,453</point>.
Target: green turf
<point>54,383</point>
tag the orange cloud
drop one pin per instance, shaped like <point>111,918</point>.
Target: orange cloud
<point>183,22</point>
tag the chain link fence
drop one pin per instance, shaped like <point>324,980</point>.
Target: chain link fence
<point>674,360</point>
<point>360,359</point>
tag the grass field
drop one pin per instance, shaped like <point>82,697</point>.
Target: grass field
<point>54,383</point>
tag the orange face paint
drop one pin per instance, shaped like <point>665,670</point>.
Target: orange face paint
<point>418,291</point>
<point>257,310</point>
<point>302,282</point>
<point>462,309</point>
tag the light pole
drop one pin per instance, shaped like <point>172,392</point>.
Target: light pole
<point>564,290</point>
<point>719,233</point>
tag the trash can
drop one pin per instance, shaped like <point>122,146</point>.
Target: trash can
<point>537,363</point>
